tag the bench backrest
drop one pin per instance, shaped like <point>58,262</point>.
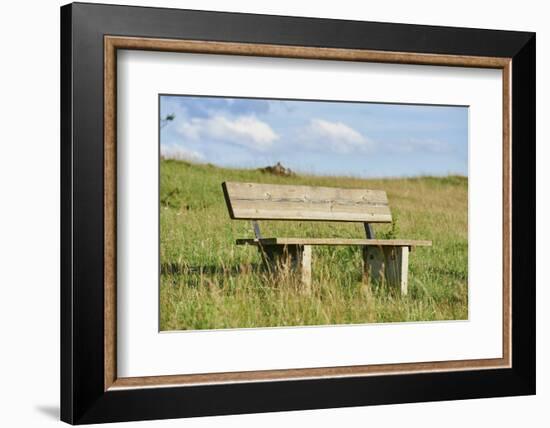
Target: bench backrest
<point>254,201</point>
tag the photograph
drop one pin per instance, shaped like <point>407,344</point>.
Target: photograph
<point>293,212</point>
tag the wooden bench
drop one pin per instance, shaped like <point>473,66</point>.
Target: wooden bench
<point>384,260</point>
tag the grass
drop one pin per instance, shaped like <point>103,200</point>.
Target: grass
<point>207,282</point>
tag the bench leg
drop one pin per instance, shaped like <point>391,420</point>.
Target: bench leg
<point>397,267</point>
<point>284,259</point>
<point>305,268</point>
<point>373,265</point>
<point>386,265</point>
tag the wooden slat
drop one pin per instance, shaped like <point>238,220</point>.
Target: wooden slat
<point>305,269</point>
<point>285,202</point>
<point>403,265</point>
<point>335,241</point>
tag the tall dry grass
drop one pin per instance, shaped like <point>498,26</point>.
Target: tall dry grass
<point>207,282</point>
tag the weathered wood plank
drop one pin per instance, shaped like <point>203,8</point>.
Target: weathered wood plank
<point>373,265</point>
<point>392,270</point>
<point>309,208</point>
<point>285,202</point>
<point>284,260</point>
<point>308,215</point>
<point>335,241</point>
<point>403,255</point>
<point>386,266</point>
<point>261,191</point>
<point>305,269</point>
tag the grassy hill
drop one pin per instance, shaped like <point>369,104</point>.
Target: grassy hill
<point>207,282</point>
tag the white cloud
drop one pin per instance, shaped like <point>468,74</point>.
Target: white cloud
<point>178,152</point>
<point>243,130</point>
<point>338,136</point>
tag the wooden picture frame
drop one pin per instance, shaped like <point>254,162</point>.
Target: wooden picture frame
<point>91,390</point>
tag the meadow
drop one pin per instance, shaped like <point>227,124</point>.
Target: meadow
<point>208,282</point>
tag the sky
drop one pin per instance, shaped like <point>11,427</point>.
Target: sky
<point>316,137</point>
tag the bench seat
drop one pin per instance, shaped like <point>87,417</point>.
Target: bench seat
<point>334,241</point>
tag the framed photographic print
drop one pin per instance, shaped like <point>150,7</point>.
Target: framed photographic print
<point>265,213</point>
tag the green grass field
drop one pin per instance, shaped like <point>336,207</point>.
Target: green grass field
<point>208,282</point>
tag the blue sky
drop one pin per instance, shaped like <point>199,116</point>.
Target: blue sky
<point>318,137</point>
